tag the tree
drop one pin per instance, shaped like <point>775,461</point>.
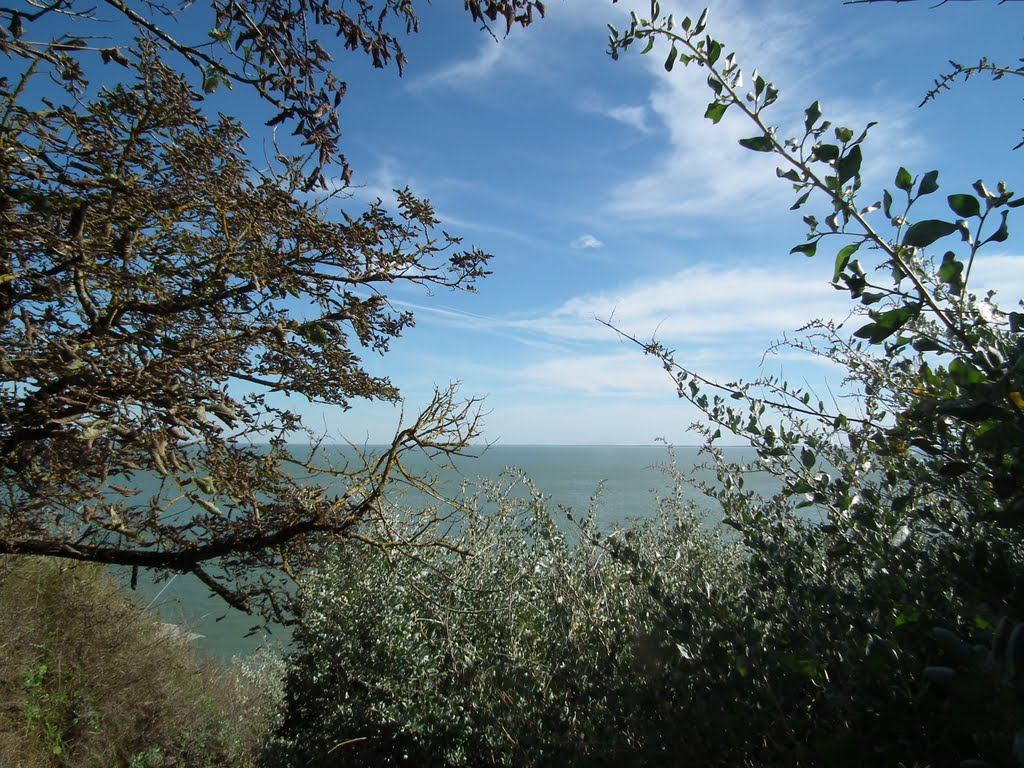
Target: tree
<point>160,295</point>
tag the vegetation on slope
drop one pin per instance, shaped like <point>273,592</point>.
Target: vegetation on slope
<point>91,680</point>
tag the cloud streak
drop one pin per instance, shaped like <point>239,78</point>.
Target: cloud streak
<point>584,242</point>
<point>632,116</point>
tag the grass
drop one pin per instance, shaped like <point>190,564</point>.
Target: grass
<point>87,678</point>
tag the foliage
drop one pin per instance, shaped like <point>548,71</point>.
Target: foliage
<point>523,644</point>
<point>89,679</point>
<point>161,296</point>
<point>534,642</point>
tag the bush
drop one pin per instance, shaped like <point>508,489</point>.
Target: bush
<point>520,644</point>
<point>530,642</point>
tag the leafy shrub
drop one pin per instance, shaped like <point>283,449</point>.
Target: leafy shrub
<point>523,643</point>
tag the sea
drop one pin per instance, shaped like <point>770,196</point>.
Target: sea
<point>622,482</point>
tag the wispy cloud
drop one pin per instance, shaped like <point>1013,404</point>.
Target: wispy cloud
<point>584,242</point>
<point>621,374</point>
<point>1002,273</point>
<point>491,57</point>
<point>700,303</point>
<point>633,116</point>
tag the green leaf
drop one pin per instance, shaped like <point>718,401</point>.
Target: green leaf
<point>951,272</point>
<point>904,180</point>
<point>758,144</point>
<point>671,60</point>
<point>807,249</point>
<point>825,152</point>
<point>887,323</point>
<point>964,373</point>
<point>843,258</point>
<point>701,22</point>
<point>715,111</point>
<point>887,203</point>
<point>1000,234</point>
<point>800,200</point>
<point>811,115</point>
<point>791,174</point>
<point>924,233</point>
<point>843,135</point>
<point>849,165</point>
<point>925,344</point>
<point>314,333</point>
<point>714,51</point>
<point>964,205</point>
<point>929,183</point>
<point>113,54</point>
<point>807,458</point>
<point>211,82</point>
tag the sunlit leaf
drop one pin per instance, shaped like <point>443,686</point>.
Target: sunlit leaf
<point>843,258</point>
<point>964,205</point>
<point>715,111</point>
<point>904,180</point>
<point>811,115</point>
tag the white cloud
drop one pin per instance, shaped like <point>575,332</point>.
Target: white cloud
<point>699,303</point>
<point>633,116</point>
<point>1003,274</point>
<point>586,241</point>
<point>716,312</point>
<point>622,374</point>
<point>506,54</point>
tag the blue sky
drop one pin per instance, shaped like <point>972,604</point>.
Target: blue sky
<point>602,191</point>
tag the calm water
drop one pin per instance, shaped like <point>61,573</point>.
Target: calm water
<point>629,476</point>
